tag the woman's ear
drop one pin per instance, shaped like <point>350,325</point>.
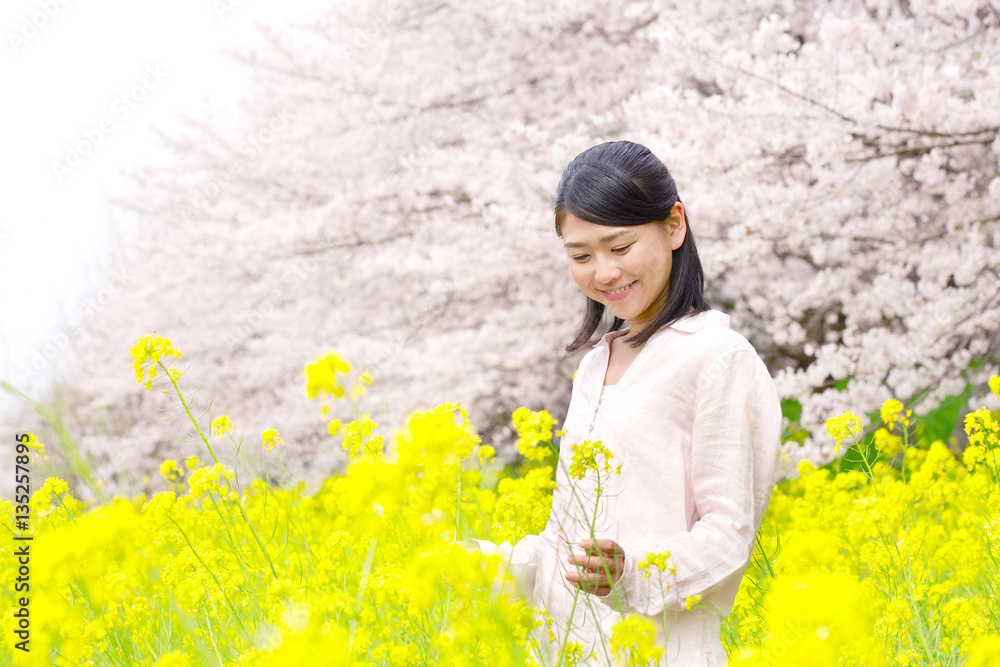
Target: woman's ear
<point>677,226</point>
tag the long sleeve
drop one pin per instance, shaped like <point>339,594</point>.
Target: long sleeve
<point>520,559</point>
<point>735,445</point>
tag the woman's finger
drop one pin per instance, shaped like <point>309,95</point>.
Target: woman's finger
<point>601,546</point>
<point>595,563</point>
<point>584,579</point>
<point>588,580</point>
<point>609,547</point>
<point>599,568</point>
<point>598,588</point>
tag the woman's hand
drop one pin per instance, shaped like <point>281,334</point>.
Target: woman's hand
<point>600,568</point>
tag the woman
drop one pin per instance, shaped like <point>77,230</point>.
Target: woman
<point>685,405</point>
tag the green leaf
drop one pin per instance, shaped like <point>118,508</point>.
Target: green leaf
<point>791,409</point>
<point>859,456</point>
<point>940,422</point>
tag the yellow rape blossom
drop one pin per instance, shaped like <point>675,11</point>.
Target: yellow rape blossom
<point>851,569</point>
<point>359,437</point>
<point>590,456</point>
<point>221,425</point>
<point>888,444</point>
<point>572,654</point>
<point>304,648</point>
<point>981,428</point>
<point>843,427</point>
<point>485,454</point>
<point>657,560</point>
<point>36,446</point>
<point>633,639</point>
<point>815,618</point>
<point>269,437</point>
<point>150,350</point>
<point>169,470</point>
<point>360,385</point>
<point>208,480</point>
<point>321,375</point>
<point>524,505</point>
<point>891,412</point>
<point>984,651</point>
<point>534,430</point>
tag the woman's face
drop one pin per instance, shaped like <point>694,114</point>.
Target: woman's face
<point>603,260</point>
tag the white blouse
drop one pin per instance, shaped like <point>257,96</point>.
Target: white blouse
<point>695,422</point>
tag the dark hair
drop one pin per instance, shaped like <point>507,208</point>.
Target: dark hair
<point>621,184</point>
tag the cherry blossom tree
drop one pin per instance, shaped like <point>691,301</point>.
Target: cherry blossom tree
<point>849,196</point>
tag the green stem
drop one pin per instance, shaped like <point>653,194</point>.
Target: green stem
<point>194,421</point>
<point>607,572</point>
<point>576,595</point>
<point>209,570</point>
<point>204,439</point>
<point>569,623</point>
<point>253,532</point>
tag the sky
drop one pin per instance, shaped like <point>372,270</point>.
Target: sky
<point>84,84</point>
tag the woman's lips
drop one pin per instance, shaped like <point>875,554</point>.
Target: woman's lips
<point>620,295</point>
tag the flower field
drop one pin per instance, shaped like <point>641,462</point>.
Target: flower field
<point>889,556</point>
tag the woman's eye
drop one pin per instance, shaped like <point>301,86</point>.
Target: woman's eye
<point>580,258</point>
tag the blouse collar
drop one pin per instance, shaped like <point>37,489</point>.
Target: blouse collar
<point>687,324</point>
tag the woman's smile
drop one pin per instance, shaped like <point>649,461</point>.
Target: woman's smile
<point>620,293</point>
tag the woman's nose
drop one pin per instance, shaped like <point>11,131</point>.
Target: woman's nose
<point>607,271</point>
